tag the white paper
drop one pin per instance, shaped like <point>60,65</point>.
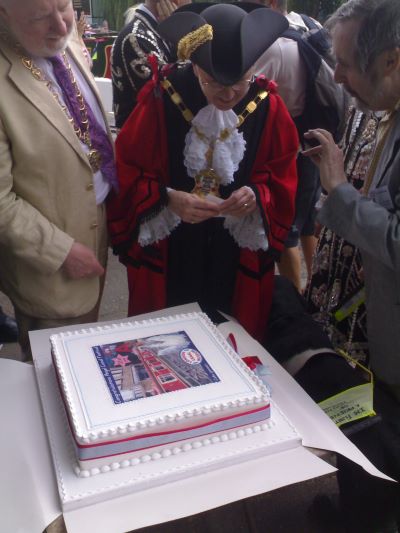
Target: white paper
<point>316,428</point>
<point>198,493</point>
<point>28,489</point>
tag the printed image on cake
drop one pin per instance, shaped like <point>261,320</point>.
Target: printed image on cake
<point>139,368</point>
<point>135,388</point>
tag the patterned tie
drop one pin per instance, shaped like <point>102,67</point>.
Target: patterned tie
<point>98,137</point>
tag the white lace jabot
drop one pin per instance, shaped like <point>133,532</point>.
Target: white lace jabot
<point>218,129</point>
<point>212,128</point>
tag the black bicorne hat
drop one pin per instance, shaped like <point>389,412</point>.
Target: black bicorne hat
<point>238,36</point>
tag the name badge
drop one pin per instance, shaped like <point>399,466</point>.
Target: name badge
<point>354,403</point>
<point>382,197</point>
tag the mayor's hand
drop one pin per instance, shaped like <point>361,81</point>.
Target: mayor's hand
<point>240,203</point>
<point>81,263</point>
<point>190,207</point>
<point>328,157</point>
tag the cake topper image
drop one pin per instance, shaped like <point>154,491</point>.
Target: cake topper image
<point>139,368</point>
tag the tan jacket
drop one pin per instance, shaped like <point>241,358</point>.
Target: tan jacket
<point>47,198</point>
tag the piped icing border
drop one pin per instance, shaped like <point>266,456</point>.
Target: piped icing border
<point>173,450</point>
<point>150,441</point>
<point>154,424</point>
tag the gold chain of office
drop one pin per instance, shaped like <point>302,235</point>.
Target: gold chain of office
<point>208,181</point>
<point>188,115</point>
<point>81,131</point>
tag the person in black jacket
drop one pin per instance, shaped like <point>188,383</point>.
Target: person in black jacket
<point>138,39</point>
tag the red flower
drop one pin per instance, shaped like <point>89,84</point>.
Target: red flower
<point>153,63</point>
<point>266,84</point>
<point>167,69</point>
<point>251,361</point>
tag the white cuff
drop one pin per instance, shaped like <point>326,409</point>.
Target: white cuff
<point>248,231</point>
<point>159,227</point>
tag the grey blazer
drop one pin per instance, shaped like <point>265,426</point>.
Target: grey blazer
<point>373,225</point>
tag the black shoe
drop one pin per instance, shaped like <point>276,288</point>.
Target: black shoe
<point>8,329</point>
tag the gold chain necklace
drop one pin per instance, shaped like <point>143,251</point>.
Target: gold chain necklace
<point>208,181</point>
<point>81,131</point>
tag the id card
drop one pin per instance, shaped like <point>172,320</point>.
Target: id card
<point>351,404</point>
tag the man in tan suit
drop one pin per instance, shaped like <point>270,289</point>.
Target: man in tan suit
<point>56,169</point>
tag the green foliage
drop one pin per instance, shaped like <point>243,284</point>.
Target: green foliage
<point>318,9</point>
<point>112,11</point>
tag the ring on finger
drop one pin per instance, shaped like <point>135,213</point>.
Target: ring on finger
<point>246,205</point>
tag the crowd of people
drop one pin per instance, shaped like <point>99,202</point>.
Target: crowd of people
<point>207,182</point>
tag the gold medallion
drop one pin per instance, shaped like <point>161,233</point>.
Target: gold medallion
<point>207,182</point>
<point>95,158</point>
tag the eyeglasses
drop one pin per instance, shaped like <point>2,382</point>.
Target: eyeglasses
<point>236,87</point>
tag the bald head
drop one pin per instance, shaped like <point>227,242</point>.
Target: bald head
<point>42,27</point>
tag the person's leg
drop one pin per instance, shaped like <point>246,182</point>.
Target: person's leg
<point>306,199</point>
<point>8,328</point>
<point>303,225</point>
<point>290,265</point>
<point>308,245</point>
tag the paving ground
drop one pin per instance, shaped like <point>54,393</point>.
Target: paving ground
<point>287,510</point>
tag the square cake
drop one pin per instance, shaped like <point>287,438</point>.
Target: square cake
<point>138,390</point>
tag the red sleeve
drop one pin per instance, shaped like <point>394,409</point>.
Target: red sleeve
<point>274,175</point>
<point>142,163</point>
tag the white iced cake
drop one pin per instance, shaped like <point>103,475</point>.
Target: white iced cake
<point>144,389</point>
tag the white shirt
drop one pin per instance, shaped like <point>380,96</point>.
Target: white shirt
<point>282,63</point>
<point>295,21</point>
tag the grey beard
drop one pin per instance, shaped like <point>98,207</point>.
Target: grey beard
<point>8,37</point>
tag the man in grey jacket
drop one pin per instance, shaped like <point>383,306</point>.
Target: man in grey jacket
<point>366,42</point>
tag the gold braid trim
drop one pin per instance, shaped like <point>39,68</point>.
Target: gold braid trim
<point>177,100</point>
<point>252,106</point>
<point>189,44</point>
<point>188,115</point>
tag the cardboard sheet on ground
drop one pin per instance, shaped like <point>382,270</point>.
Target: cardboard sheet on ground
<point>29,497</point>
<point>28,488</point>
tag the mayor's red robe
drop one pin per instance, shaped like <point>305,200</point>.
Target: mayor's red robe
<point>144,161</point>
